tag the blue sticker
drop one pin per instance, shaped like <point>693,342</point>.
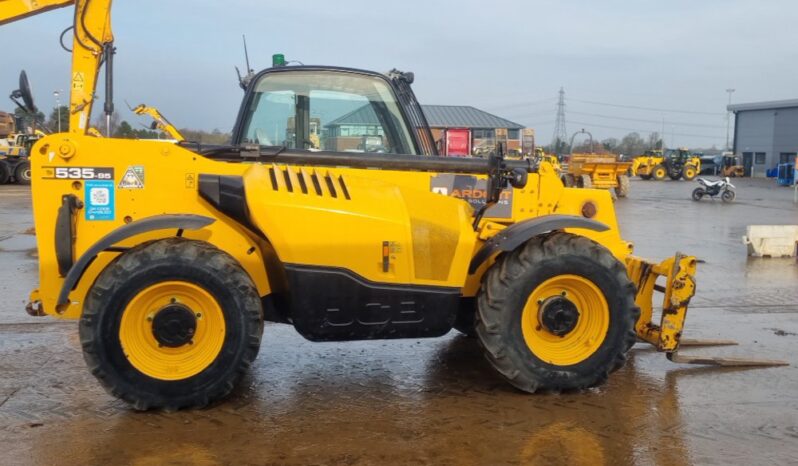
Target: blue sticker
<point>99,200</point>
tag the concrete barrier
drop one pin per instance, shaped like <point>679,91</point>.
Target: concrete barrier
<point>771,240</point>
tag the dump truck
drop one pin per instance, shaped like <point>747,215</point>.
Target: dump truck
<point>601,171</point>
<point>171,297</point>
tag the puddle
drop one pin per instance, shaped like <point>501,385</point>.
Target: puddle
<point>18,243</point>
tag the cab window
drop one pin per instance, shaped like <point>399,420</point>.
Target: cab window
<point>327,110</point>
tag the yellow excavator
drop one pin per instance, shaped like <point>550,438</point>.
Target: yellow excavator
<point>173,255</point>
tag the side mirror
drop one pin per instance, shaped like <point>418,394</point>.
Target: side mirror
<point>25,94</point>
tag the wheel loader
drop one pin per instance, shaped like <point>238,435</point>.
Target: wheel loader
<point>172,256</point>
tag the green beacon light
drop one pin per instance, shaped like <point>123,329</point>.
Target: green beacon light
<point>278,59</point>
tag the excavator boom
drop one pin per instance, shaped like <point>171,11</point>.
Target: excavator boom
<point>92,45</point>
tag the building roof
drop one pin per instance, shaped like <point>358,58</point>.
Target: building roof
<point>770,105</point>
<point>438,116</point>
<point>363,116</point>
<point>463,116</point>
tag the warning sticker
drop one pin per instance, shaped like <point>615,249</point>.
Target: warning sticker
<point>78,81</point>
<point>133,178</point>
<point>99,200</point>
<point>191,180</point>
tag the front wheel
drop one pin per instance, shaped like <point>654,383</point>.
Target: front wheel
<point>171,324</point>
<point>557,314</point>
<point>698,194</point>
<point>22,173</point>
<point>659,173</point>
<point>623,186</point>
<point>728,196</point>
<point>690,172</point>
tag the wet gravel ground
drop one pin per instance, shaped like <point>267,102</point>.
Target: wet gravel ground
<point>436,401</point>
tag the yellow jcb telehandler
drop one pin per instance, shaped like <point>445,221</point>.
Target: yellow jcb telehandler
<point>675,164</point>
<point>173,255</point>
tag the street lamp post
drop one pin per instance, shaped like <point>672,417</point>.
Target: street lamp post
<point>57,94</point>
<point>728,118</point>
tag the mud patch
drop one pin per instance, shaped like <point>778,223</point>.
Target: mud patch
<point>783,333</point>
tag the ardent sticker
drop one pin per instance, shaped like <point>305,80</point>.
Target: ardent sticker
<point>474,191</point>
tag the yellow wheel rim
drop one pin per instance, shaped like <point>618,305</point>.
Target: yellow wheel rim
<point>660,173</point>
<point>689,173</point>
<point>152,358</point>
<point>590,329</point>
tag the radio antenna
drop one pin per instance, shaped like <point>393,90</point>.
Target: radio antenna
<point>250,73</point>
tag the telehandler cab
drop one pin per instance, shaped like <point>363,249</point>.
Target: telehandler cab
<point>173,255</point>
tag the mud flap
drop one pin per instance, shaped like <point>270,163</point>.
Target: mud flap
<point>679,288</point>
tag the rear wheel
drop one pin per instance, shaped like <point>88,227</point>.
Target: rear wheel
<point>22,173</point>
<point>727,196</point>
<point>623,186</point>
<point>567,180</point>
<point>585,181</point>
<point>5,172</point>
<point>557,314</point>
<point>698,193</point>
<point>659,173</point>
<point>171,324</point>
<point>689,173</point>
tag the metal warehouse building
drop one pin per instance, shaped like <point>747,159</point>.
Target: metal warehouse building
<point>765,134</point>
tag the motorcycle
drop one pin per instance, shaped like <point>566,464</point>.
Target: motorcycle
<point>713,188</point>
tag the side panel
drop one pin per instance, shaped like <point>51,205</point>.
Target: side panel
<point>165,182</point>
<point>348,307</point>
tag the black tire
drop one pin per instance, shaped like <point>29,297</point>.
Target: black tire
<point>585,181</point>
<point>5,172</point>
<point>567,180</point>
<point>623,186</point>
<point>22,173</point>
<point>659,172</point>
<point>645,177</point>
<point>195,262</point>
<point>728,196</point>
<point>698,194</point>
<point>675,176</point>
<point>512,279</point>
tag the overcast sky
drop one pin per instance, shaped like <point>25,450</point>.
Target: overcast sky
<point>509,58</point>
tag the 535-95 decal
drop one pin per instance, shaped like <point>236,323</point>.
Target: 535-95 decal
<point>79,173</point>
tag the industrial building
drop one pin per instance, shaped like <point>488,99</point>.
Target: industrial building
<point>765,134</point>
<point>459,130</point>
<point>483,129</point>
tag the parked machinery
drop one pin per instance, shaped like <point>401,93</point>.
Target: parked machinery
<point>14,149</point>
<point>675,164</point>
<point>173,255</point>
<point>542,156</point>
<point>730,166</point>
<point>602,171</point>
<point>649,158</point>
